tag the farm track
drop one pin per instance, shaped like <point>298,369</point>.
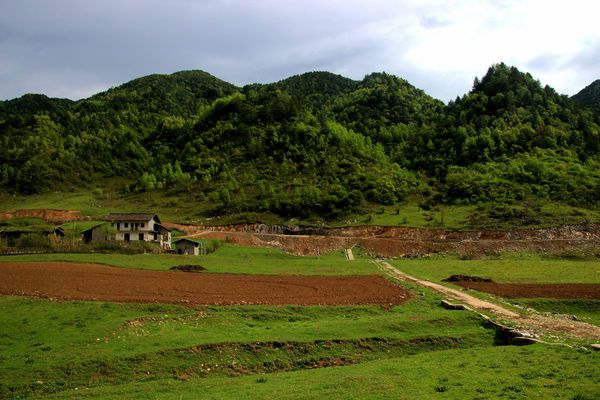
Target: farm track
<point>532,322</point>
<point>72,281</point>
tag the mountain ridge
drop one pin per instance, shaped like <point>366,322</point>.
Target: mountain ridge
<point>312,143</point>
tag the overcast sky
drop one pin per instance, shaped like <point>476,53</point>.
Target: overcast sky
<point>75,48</point>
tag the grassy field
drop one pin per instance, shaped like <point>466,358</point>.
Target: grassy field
<point>186,207</point>
<point>109,350</point>
<point>227,259</point>
<point>76,344</point>
<point>535,372</point>
<point>80,350</point>
<point>516,268</point>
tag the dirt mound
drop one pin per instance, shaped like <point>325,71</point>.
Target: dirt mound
<point>99,282</point>
<point>538,290</point>
<point>188,268</point>
<point>58,216</point>
<point>466,278</point>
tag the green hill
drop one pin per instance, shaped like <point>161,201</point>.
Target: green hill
<point>590,96</point>
<point>315,144</point>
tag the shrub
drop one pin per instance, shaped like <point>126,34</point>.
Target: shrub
<point>34,240</point>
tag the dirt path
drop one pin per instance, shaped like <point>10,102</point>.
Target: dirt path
<point>100,282</point>
<point>535,323</point>
<point>349,255</point>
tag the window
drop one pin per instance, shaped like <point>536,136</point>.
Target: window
<point>141,236</point>
<point>142,225</point>
<point>126,224</point>
<point>118,226</point>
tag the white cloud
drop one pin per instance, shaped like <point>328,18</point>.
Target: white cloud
<point>71,48</point>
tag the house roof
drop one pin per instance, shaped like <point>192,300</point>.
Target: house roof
<point>92,228</point>
<point>160,226</point>
<point>189,240</point>
<point>132,217</point>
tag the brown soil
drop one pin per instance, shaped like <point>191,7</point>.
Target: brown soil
<point>58,216</point>
<point>98,282</point>
<point>531,290</point>
<point>401,241</point>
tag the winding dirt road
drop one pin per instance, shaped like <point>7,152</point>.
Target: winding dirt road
<point>532,322</point>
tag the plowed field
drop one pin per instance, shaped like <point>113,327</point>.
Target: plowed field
<point>98,282</point>
<point>530,290</point>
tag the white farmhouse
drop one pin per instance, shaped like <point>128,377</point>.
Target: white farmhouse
<point>140,227</point>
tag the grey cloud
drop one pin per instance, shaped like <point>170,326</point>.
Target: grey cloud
<point>588,59</point>
<point>545,62</point>
<point>75,48</point>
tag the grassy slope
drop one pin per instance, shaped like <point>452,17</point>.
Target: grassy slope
<point>185,207</point>
<point>534,372</point>
<point>70,344</point>
<point>227,259</point>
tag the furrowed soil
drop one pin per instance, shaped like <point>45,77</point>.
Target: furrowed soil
<point>98,282</point>
<point>530,290</point>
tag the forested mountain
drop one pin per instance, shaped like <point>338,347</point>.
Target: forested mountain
<point>590,96</point>
<point>316,143</point>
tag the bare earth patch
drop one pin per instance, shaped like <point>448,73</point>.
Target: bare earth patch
<point>98,282</point>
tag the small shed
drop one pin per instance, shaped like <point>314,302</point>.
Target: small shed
<point>95,234</point>
<point>190,247</point>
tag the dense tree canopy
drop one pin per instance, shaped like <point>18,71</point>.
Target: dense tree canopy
<point>590,96</point>
<point>313,143</point>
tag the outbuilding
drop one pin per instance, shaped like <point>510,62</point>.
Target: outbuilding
<point>190,247</point>
<point>96,234</point>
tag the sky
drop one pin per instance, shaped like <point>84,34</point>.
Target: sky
<point>76,48</point>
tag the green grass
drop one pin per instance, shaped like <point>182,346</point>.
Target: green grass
<point>71,344</point>
<point>516,268</point>
<point>187,207</point>
<point>78,349</point>
<point>227,259</point>
<point>534,372</point>
<point>410,214</point>
<point>80,200</point>
<point>584,309</point>
<point>29,223</point>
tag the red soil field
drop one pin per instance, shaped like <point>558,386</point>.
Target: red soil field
<point>72,281</point>
<point>538,290</point>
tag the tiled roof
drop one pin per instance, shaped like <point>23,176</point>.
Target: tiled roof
<point>131,217</point>
<point>189,240</point>
<point>162,227</point>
